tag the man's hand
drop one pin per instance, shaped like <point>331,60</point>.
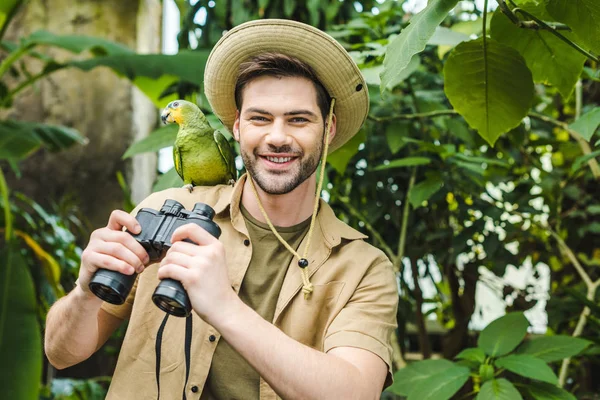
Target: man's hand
<point>112,248</point>
<point>202,270</point>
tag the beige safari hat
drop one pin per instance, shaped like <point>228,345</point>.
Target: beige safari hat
<point>334,67</point>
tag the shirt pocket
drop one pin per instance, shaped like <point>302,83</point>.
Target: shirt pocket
<point>172,343</point>
<point>309,318</point>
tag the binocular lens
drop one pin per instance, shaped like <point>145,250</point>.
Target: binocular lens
<point>171,297</point>
<point>111,286</point>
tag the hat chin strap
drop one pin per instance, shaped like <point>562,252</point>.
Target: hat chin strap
<point>307,287</point>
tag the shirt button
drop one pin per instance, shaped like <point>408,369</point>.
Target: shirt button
<point>212,338</point>
<point>246,242</point>
<point>195,389</point>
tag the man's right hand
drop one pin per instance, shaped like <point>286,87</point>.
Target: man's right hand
<point>113,248</point>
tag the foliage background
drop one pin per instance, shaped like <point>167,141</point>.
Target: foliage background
<point>457,175</point>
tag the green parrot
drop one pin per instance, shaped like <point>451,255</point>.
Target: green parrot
<point>202,155</point>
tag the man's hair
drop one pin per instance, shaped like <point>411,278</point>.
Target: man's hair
<point>279,65</point>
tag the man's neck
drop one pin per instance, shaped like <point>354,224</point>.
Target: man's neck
<point>285,209</point>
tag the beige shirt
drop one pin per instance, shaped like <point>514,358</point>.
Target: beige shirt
<point>353,304</point>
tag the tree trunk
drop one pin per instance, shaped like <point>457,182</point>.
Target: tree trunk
<point>102,106</point>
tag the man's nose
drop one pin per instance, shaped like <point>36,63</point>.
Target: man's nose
<point>277,135</point>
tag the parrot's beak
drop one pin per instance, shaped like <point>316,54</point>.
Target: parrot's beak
<point>165,116</point>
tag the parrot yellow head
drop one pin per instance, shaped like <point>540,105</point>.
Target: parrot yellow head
<point>178,112</point>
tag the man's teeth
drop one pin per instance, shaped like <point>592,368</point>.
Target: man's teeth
<point>279,159</point>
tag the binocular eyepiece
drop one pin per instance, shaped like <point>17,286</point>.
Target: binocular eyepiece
<point>157,230</point>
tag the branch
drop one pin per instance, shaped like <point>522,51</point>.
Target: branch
<point>529,24</point>
<point>404,224</point>
<point>425,115</point>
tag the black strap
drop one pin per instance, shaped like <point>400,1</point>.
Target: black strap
<point>157,348</point>
<point>187,350</point>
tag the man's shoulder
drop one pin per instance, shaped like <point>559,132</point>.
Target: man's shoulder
<point>217,197</point>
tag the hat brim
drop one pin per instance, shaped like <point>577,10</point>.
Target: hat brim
<point>333,66</point>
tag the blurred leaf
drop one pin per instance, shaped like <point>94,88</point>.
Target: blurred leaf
<point>404,162</point>
<point>7,10</point>
<point>413,375</point>
<point>553,348</point>
<point>340,158</point>
<point>546,391</point>
<point>582,16</point>
<point>491,87</point>
<point>502,335</point>
<point>156,140</point>
<point>498,389</point>
<point>167,180</point>
<point>587,124</point>
<point>447,37</point>
<point>412,40</point>
<point>486,372</point>
<point>580,161</point>
<point>20,339</point>
<point>441,386</point>
<point>472,354</point>
<point>395,132</point>
<point>550,60</point>
<point>76,43</point>
<point>372,75</point>
<point>528,366</point>
<point>424,190</point>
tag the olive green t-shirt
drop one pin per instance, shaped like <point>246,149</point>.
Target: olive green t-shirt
<point>230,376</point>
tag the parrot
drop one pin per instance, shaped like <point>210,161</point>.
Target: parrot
<point>202,155</point>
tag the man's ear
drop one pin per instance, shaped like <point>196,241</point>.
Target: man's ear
<point>332,128</point>
<point>236,126</point>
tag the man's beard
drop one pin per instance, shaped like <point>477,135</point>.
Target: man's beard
<point>288,180</point>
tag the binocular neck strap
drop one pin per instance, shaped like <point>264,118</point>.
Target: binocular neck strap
<point>187,350</point>
<point>307,287</point>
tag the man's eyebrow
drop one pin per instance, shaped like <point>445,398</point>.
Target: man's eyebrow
<point>257,110</point>
<point>301,112</point>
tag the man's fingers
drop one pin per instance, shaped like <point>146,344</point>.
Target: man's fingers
<point>119,251</point>
<point>173,271</point>
<point>119,219</point>
<point>126,240</point>
<point>108,262</point>
<point>195,233</point>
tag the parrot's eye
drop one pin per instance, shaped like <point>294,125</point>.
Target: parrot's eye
<point>176,104</point>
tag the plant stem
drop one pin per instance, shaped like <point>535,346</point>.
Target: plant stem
<point>8,234</point>
<point>425,115</point>
<point>404,225</point>
<point>12,57</point>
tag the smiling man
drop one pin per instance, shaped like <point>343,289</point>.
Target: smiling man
<point>290,302</point>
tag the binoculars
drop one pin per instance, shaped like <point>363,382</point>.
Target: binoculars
<point>157,229</point>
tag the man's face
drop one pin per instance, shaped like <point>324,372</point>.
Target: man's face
<point>280,130</point>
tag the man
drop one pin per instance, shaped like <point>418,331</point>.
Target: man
<point>290,301</point>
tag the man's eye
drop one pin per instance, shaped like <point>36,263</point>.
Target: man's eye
<point>299,119</point>
<point>258,118</point>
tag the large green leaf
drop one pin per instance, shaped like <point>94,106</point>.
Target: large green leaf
<point>442,385</point>
<point>550,60</point>
<point>404,162</point>
<point>546,391</point>
<point>528,366</point>
<point>411,376</point>
<point>502,335</point>
<point>340,158</point>
<point>489,85</point>
<point>156,140</point>
<point>412,40</point>
<point>18,139</point>
<point>587,124</point>
<point>424,190</point>
<point>7,10</point>
<point>553,348</point>
<point>472,354</point>
<point>582,16</point>
<point>20,339</point>
<point>167,180</point>
<point>498,389</point>
<point>395,132</point>
<point>76,43</point>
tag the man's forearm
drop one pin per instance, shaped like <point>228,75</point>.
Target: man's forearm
<point>293,370</point>
<point>72,329</point>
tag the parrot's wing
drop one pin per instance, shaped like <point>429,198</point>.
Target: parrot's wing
<point>178,161</point>
<point>226,153</point>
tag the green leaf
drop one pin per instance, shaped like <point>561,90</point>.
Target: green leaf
<point>412,40</point>
<point>395,132</point>
<point>76,43</point>
<point>587,124</point>
<point>442,385</point>
<point>167,180</point>
<point>546,391</point>
<point>550,60</point>
<point>20,339</point>
<point>502,335</point>
<point>498,389</point>
<point>411,376</point>
<point>482,160</point>
<point>472,354</point>
<point>553,348</point>
<point>18,139</point>
<point>582,16</point>
<point>528,366</point>
<point>579,161</point>
<point>372,75</point>
<point>486,372</point>
<point>340,158</point>
<point>447,37</point>
<point>404,162</point>
<point>424,190</point>
<point>288,7</point>
<point>156,140</point>
<point>490,86</point>
<point>8,9</point>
